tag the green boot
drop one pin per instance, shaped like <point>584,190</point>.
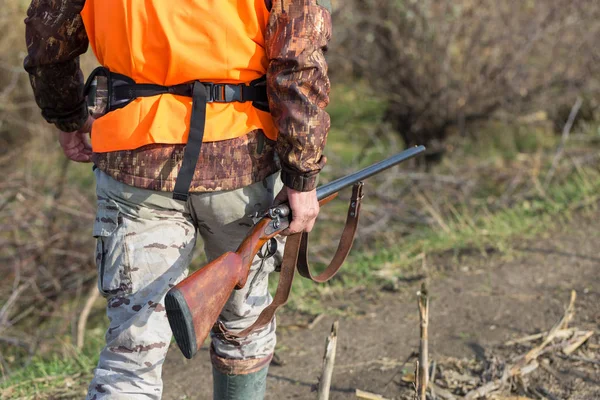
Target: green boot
<point>240,387</point>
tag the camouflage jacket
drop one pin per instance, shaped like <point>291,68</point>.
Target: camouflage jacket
<point>297,35</point>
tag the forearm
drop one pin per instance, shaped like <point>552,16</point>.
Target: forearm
<point>298,86</point>
<point>55,38</point>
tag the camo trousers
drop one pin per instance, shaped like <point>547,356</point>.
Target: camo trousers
<point>145,241</point>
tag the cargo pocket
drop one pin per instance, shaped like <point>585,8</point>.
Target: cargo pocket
<point>112,261</point>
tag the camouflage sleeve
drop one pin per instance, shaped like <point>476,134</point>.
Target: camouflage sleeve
<point>297,36</point>
<point>55,38</point>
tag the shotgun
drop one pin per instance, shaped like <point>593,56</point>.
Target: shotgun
<point>193,306</point>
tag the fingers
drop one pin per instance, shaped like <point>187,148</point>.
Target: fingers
<point>79,154</point>
<point>305,221</point>
<point>80,157</point>
<point>301,224</point>
<point>76,146</point>
<point>305,209</point>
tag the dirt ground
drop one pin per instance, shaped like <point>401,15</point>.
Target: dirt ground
<point>478,302</point>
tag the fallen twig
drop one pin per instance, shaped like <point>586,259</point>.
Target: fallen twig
<point>488,387</point>
<point>527,363</point>
<point>563,334</point>
<point>315,321</point>
<point>579,338</point>
<point>85,312</point>
<point>562,324</point>
<point>423,364</point>
<point>328,363</point>
<point>361,394</point>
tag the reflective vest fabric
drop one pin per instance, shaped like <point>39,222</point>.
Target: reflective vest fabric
<point>170,42</point>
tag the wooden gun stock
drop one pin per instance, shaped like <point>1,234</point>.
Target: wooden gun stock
<point>195,303</point>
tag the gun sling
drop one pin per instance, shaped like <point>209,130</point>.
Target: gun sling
<point>122,90</point>
<point>296,256</point>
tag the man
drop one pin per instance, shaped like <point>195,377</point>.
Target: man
<point>185,72</point>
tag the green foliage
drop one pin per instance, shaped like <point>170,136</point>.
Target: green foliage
<point>60,374</point>
<point>355,117</point>
<point>499,140</point>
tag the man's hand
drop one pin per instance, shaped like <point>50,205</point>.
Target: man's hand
<point>304,206</point>
<point>76,145</point>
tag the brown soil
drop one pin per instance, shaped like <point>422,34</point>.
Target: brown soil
<point>478,302</point>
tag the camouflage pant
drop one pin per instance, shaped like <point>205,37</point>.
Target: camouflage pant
<point>145,241</point>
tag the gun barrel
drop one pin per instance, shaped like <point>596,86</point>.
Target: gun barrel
<point>341,183</point>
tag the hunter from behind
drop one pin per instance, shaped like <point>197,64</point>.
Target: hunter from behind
<point>213,111</point>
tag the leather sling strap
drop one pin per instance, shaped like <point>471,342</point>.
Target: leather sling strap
<point>344,245</point>
<point>295,255</point>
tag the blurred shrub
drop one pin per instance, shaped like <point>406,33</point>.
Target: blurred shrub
<point>20,117</point>
<point>17,107</point>
<point>46,250</point>
<point>46,211</point>
<point>443,65</point>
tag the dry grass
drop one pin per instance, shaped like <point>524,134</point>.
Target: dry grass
<point>46,253</point>
<point>45,243</point>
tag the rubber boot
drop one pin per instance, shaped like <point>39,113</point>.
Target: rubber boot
<point>240,387</point>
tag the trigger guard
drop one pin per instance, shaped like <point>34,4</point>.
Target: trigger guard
<point>271,247</point>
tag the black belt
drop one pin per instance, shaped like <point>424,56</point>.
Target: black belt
<point>122,90</point>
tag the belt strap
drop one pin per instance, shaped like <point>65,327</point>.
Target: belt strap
<point>122,90</point>
<point>296,255</point>
<point>215,92</point>
<point>191,154</point>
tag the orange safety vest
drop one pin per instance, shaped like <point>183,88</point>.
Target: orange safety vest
<point>168,43</point>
